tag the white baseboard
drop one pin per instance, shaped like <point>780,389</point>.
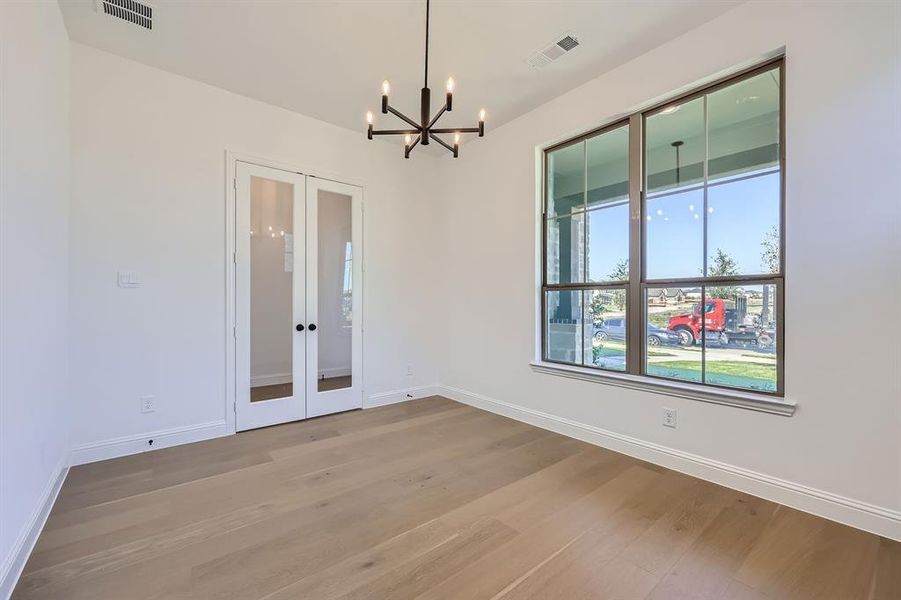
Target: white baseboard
<point>133,444</point>
<point>273,379</point>
<point>393,397</point>
<point>875,519</point>
<point>28,536</point>
<point>335,372</point>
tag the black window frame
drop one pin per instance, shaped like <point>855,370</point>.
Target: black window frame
<point>637,284</point>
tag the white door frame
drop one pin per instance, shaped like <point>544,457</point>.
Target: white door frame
<point>231,160</point>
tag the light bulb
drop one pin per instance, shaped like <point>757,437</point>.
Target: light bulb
<point>710,210</point>
<point>272,235</point>
<point>456,138</point>
<point>482,115</point>
<point>408,139</point>
<point>369,117</point>
<point>251,232</point>
<point>691,207</point>
<point>659,212</point>
<point>281,233</point>
<point>270,228</point>
<point>450,85</point>
<point>386,87</point>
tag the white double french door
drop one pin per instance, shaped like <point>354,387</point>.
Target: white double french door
<point>298,276</point>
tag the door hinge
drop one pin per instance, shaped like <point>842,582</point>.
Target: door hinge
<point>235,184</point>
<point>235,332</point>
<point>235,257</point>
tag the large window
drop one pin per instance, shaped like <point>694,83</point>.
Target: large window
<point>663,240</point>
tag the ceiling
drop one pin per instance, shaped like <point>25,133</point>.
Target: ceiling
<point>327,59</point>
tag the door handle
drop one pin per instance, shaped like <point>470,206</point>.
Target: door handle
<point>312,326</point>
<point>299,327</point>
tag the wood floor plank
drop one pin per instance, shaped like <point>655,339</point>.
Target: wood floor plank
<point>435,500</point>
<point>708,566</point>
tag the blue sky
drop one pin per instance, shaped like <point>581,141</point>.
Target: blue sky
<point>743,212</point>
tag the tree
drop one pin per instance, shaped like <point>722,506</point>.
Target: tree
<point>602,299</point>
<point>769,256</point>
<point>620,273</point>
<point>769,260</point>
<point>722,265</point>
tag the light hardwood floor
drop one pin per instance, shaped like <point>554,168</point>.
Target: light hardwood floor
<point>431,499</point>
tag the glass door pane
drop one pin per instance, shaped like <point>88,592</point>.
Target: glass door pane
<point>335,291</point>
<point>271,289</point>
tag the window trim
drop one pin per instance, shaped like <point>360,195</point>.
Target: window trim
<point>634,375</point>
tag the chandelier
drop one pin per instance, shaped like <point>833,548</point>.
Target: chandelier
<point>425,130</point>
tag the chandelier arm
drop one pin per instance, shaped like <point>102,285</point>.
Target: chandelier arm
<point>405,118</point>
<point>407,149</point>
<point>436,117</point>
<point>442,142</point>
<point>455,130</point>
<point>395,132</point>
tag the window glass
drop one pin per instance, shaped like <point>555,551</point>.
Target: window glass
<point>608,167</point>
<point>743,226</point>
<point>743,127</point>
<point>675,147</point>
<point>566,180</point>
<point>605,318</point>
<point>740,347</point>
<point>674,230</point>
<point>565,249</point>
<point>607,255</point>
<point>608,243</point>
<point>673,333</point>
<point>564,326</point>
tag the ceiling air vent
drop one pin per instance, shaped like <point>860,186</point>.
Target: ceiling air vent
<point>128,10</point>
<point>544,57</point>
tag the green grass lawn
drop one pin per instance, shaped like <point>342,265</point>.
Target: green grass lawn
<point>609,348</point>
<point>726,367</point>
<point>747,375</point>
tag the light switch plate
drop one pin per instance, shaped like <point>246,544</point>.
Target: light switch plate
<point>128,279</point>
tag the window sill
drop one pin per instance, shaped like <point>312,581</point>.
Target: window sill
<point>739,399</point>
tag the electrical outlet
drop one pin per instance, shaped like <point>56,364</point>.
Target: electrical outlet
<point>147,404</point>
<point>669,417</point>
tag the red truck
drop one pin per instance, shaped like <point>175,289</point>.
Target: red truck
<point>726,323</point>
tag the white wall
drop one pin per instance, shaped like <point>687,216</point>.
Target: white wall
<point>148,158</point>
<point>843,201</point>
<point>34,191</point>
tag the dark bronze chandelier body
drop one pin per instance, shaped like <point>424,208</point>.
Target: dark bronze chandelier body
<point>425,130</point>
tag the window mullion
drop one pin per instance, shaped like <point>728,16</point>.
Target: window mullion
<point>706,253</point>
<point>634,310</point>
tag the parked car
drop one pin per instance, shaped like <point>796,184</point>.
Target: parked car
<point>615,329</point>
